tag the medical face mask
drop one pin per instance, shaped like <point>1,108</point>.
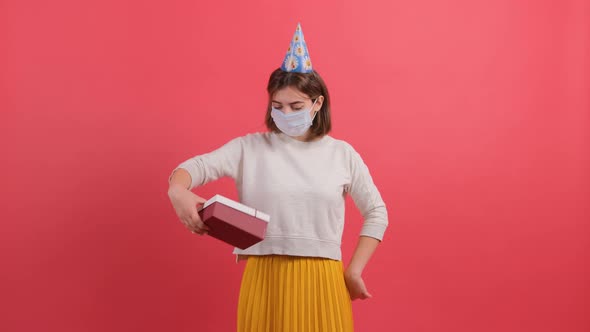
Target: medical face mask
<point>295,123</point>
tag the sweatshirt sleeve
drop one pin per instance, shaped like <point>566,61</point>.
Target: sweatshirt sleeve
<point>224,161</point>
<point>367,198</point>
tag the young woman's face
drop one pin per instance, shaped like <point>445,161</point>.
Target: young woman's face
<point>289,99</point>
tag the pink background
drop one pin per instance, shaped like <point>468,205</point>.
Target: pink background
<point>473,116</point>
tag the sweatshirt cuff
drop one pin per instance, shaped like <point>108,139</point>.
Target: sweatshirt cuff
<point>375,231</point>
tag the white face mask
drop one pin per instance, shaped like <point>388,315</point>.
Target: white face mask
<point>293,124</point>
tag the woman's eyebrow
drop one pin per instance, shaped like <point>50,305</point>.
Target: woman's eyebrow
<point>295,102</point>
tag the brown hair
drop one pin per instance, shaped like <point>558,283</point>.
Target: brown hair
<point>312,85</point>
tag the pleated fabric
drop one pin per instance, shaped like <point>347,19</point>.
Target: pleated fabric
<point>294,294</point>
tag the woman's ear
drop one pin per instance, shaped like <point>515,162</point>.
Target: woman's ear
<point>318,104</point>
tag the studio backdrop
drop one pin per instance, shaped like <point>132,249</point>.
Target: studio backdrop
<point>473,117</point>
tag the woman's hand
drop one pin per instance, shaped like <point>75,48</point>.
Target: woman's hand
<point>186,203</point>
<point>356,286</point>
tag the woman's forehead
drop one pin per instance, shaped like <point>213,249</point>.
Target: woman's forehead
<point>289,95</point>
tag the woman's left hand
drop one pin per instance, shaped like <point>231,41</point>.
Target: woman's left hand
<point>356,286</point>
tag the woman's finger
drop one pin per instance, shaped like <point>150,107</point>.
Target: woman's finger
<point>186,221</point>
<point>365,295</point>
<point>200,232</point>
<point>197,222</point>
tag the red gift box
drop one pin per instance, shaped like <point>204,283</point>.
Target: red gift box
<point>234,223</point>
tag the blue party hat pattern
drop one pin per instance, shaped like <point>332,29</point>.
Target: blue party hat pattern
<point>297,58</point>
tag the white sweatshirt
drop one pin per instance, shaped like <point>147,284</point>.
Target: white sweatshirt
<point>301,185</point>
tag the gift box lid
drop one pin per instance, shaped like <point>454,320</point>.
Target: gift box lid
<point>237,206</point>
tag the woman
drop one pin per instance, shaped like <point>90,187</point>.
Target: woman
<point>294,280</point>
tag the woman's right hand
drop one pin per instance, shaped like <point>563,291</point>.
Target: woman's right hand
<point>186,205</point>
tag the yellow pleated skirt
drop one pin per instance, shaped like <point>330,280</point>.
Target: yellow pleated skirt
<point>293,294</point>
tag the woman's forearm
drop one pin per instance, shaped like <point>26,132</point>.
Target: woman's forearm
<point>364,250</point>
<point>180,178</point>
